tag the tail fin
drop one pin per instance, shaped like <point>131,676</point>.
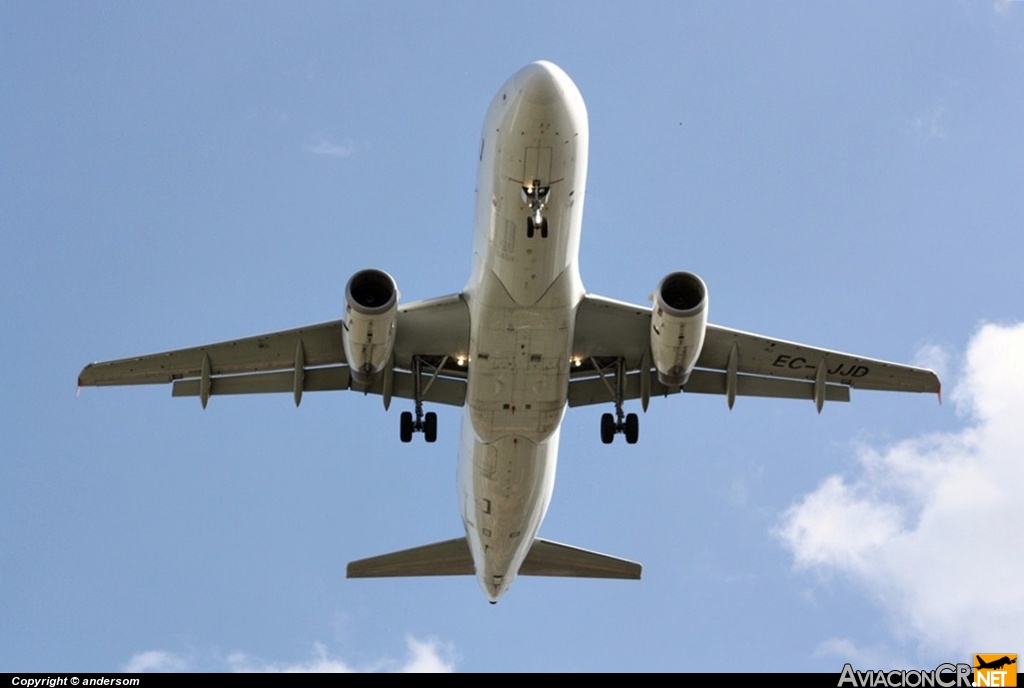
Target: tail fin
<point>453,558</point>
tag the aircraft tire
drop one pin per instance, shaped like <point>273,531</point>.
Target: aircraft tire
<point>529,228</point>
<point>430,426</point>
<point>405,427</point>
<point>632,428</point>
<point>544,228</point>
<point>607,428</point>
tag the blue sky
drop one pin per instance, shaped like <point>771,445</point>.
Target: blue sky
<point>847,175</point>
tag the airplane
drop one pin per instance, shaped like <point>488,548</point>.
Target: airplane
<point>994,664</point>
<point>517,346</point>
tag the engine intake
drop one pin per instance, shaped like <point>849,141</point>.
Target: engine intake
<point>678,321</point>
<point>371,311</point>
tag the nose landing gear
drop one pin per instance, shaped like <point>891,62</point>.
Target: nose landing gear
<point>535,197</point>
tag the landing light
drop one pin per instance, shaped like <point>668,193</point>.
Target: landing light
<point>460,361</point>
<point>576,361</point>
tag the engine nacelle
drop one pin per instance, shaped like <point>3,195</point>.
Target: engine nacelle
<point>678,320</point>
<point>371,311</point>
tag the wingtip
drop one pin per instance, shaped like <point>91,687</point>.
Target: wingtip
<point>83,377</point>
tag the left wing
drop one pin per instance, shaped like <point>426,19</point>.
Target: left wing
<point>308,359</point>
<point>732,363</point>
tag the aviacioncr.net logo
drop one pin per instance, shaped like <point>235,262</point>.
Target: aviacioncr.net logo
<point>995,670</point>
<point>943,676</point>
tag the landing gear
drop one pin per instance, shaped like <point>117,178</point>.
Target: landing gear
<point>619,422</point>
<point>430,427</point>
<point>423,422</point>
<point>535,197</point>
<point>406,427</point>
<point>427,424</point>
<point>628,425</point>
<point>607,428</point>
<point>632,429</point>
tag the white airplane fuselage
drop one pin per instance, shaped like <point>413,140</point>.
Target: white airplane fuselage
<point>522,293</point>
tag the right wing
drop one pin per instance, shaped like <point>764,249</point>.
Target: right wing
<point>307,359</point>
<point>731,362</point>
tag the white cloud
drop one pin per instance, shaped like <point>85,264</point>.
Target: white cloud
<point>424,656</point>
<point>323,145</point>
<point>155,661</point>
<point>931,527</point>
<point>427,657</point>
<point>846,650</point>
<point>1003,6</point>
<point>934,357</point>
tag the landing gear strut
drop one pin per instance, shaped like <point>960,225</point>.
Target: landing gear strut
<point>620,422</point>
<point>423,422</point>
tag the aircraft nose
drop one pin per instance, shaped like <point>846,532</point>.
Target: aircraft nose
<point>540,83</point>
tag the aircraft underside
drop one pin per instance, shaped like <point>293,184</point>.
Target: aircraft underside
<point>517,347</point>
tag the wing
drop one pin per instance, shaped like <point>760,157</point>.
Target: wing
<point>309,359</point>
<point>732,363</point>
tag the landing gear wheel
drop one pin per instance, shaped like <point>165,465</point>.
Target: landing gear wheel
<point>632,428</point>
<point>405,427</point>
<point>529,227</point>
<point>607,428</point>
<point>430,426</point>
<point>544,228</point>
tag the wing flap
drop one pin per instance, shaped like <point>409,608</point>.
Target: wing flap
<point>442,390</point>
<point>315,380</point>
<point>588,391</point>
<point>448,558</point>
<point>548,558</point>
<point>713,382</point>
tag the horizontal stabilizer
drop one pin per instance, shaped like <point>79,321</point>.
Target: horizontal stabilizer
<point>453,558</point>
<point>448,558</point>
<point>548,558</point>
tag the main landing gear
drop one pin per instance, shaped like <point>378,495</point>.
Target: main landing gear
<point>425,423</point>
<point>628,424</point>
<point>422,422</point>
<point>620,422</point>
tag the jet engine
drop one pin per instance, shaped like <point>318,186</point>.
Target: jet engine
<point>678,320</point>
<point>371,310</point>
